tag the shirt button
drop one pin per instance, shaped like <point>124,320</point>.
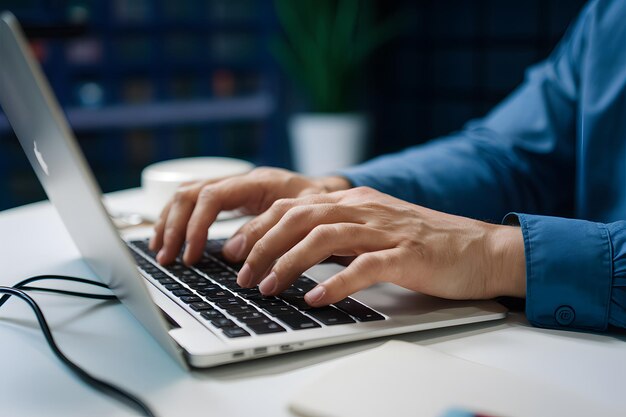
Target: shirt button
<point>565,315</point>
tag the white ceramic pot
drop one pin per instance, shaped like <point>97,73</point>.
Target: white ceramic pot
<point>323,143</point>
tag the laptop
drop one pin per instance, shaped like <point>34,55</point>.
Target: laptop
<point>199,315</point>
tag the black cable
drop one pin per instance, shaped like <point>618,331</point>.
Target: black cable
<point>105,297</point>
<point>100,385</point>
<point>23,283</point>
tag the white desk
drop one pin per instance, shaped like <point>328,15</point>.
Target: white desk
<point>105,339</point>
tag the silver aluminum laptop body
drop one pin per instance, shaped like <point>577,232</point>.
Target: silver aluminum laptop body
<point>45,136</point>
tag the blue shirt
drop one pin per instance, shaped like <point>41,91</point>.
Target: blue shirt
<point>554,154</point>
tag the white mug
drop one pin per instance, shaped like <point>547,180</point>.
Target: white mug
<point>160,181</point>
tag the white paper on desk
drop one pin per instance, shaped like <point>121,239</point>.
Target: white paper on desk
<point>402,379</point>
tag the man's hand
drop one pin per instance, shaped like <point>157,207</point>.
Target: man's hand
<point>392,241</point>
<point>187,217</point>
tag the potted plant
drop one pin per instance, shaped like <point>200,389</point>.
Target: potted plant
<point>325,46</point>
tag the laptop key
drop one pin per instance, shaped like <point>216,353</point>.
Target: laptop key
<point>212,314</point>
<point>222,322</point>
<point>230,283</point>
<point>305,283</point>
<point>298,321</point>
<point>296,301</point>
<point>200,284</point>
<point>188,279</point>
<point>182,292</point>
<point>293,291</point>
<point>235,332</point>
<point>217,295</point>
<point>358,310</point>
<point>176,268</point>
<point>166,281</point>
<point>245,316</point>
<point>247,292</point>
<point>190,299</point>
<point>173,286</point>
<point>237,267</point>
<point>159,275</point>
<point>252,320</point>
<point>266,301</point>
<point>330,316</point>
<point>149,268</point>
<point>280,310</point>
<point>231,301</point>
<point>201,306</point>
<point>240,309</point>
<point>264,328</point>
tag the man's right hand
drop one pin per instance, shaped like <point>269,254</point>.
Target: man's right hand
<point>195,206</point>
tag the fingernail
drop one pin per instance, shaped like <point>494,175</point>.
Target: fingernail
<point>235,246</point>
<point>245,276</point>
<point>161,255</point>
<point>268,286</point>
<point>315,295</point>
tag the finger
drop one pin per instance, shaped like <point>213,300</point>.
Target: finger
<point>231,193</point>
<point>346,239</point>
<point>290,228</point>
<point>186,194</point>
<point>156,243</point>
<point>175,225</point>
<point>362,273</point>
<point>240,245</point>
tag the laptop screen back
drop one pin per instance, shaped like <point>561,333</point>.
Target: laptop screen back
<point>51,148</point>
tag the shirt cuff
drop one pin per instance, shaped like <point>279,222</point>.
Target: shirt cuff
<point>568,271</point>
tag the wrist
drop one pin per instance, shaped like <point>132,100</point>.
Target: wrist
<point>508,260</point>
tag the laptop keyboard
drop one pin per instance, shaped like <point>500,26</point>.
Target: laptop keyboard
<point>210,289</point>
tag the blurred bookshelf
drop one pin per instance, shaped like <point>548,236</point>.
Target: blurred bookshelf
<point>142,81</point>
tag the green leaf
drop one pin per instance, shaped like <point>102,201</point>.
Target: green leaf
<point>327,41</point>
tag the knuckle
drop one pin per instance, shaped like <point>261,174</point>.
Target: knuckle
<point>285,265</point>
<point>296,215</point>
<point>262,172</point>
<point>282,205</point>
<point>260,249</point>
<point>193,232</point>
<point>206,193</point>
<point>324,232</point>
<point>252,229</point>
<point>362,190</point>
<point>368,262</point>
<point>171,232</point>
<point>341,281</point>
<point>181,194</point>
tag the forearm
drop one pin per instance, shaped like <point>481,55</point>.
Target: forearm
<point>476,173</point>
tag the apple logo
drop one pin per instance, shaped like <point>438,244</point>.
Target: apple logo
<point>40,159</point>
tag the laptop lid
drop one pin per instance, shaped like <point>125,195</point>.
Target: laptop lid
<point>47,140</point>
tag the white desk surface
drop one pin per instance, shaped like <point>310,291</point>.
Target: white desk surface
<point>105,339</point>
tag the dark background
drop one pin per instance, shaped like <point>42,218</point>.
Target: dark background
<point>110,62</point>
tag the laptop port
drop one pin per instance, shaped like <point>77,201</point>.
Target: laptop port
<point>260,351</point>
<point>286,348</point>
<point>238,355</point>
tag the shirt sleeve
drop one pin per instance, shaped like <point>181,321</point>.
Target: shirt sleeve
<point>575,272</point>
<point>520,157</point>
